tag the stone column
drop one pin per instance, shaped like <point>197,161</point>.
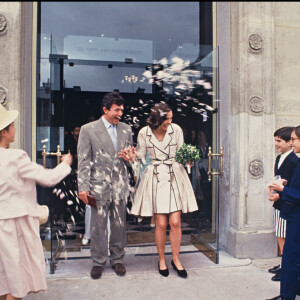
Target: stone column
<point>252,123</point>
<point>15,65</point>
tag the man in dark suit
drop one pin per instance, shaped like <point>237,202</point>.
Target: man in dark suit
<point>103,175</point>
<point>285,165</point>
<point>290,211</point>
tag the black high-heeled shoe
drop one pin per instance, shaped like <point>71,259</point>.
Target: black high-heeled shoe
<point>181,273</point>
<point>164,273</point>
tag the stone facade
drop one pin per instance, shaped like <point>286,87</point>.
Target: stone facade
<point>258,99</point>
<point>258,46</point>
<point>16,67</point>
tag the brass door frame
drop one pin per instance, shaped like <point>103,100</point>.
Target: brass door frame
<point>203,244</point>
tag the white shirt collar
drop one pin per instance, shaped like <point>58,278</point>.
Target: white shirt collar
<point>106,123</point>
<point>283,156</point>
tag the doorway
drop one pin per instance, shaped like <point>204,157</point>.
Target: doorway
<point>78,66</point>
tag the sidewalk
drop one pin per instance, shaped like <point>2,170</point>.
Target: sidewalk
<point>230,279</point>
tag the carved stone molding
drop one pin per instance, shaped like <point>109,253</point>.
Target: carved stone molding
<point>3,95</point>
<point>256,106</point>
<point>256,169</point>
<point>3,25</point>
<point>256,43</point>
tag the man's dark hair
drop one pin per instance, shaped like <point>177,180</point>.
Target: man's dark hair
<point>112,98</point>
<point>284,133</point>
<point>158,115</point>
<point>297,131</point>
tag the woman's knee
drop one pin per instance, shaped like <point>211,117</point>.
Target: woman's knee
<point>161,223</point>
<point>175,223</point>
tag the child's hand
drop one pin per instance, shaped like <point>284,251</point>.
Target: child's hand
<point>67,158</point>
<point>276,186</point>
<point>273,197</point>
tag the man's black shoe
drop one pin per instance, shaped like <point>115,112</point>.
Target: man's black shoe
<point>96,272</point>
<point>275,269</point>
<point>119,269</point>
<point>279,298</point>
<point>276,277</point>
<point>275,298</point>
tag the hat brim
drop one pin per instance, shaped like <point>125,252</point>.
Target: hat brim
<point>9,117</point>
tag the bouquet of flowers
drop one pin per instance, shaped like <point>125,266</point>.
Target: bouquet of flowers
<point>187,154</point>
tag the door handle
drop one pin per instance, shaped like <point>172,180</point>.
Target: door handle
<point>45,154</point>
<point>210,155</point>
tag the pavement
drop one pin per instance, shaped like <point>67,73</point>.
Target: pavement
<point>230,279</point>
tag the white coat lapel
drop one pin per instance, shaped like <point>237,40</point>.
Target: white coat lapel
<point>105,139</point>
<point>168,137</point>
<point>152,138</point>
<point>162,146</point>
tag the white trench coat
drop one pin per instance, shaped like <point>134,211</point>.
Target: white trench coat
<point>165,186</point>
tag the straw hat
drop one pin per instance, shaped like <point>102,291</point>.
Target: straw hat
<point>7,116</point>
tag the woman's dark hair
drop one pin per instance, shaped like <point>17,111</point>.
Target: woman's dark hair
<point>6,129</point>
<point>112,98</point>
<point>158,115</point>
<point>284,133</point>
<point>297,131</point>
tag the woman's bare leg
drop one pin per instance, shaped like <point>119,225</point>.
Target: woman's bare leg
<point>175,237</point>
<point>160,239</point>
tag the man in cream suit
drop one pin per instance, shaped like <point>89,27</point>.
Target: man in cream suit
<point>102,174</point>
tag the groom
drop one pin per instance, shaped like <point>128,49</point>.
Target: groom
<point>102,174</point>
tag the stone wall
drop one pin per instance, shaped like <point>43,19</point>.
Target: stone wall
<point>250,127</point>
<point>10,61</point>
<point>263,80</point>
<point>15,66</point>
<point>287,65</point>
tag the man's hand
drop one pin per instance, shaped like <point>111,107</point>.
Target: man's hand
<point>128,154</point>
<point>274,197</point>
<point>83,196</point>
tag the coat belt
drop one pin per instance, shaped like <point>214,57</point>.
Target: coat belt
<point>157,162</point>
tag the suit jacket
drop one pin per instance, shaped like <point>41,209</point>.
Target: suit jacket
<point>18,178</point>
<point>286,171</point>
<point>100,170</point>
<point>290,208</point>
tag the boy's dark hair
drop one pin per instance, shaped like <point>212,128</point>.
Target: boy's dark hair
<point>112,98</point>
<point>284,133</point>
<point>158,115</point>
<point>297,131</point>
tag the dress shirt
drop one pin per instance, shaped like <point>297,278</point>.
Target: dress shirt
<point>282,157</point>
<point>112,131</point>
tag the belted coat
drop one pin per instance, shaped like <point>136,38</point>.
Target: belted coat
<point>165,186</point>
